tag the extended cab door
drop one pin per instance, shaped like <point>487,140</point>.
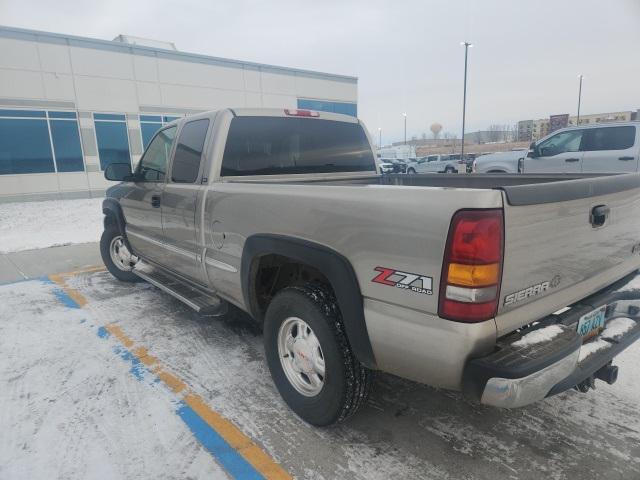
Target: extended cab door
<point>180,201</point>
<point>142,205</point>
<point>559,153</point>
<point>610,149</point>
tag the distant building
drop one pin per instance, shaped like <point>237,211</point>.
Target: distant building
<point>535,129</point>
<point>525,130</point>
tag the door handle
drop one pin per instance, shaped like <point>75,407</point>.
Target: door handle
<point>626,159</point>
<point>155,201</point>
<point>571,159</point>
<point>599,215</point>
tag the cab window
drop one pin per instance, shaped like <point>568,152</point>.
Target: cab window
<point>153,165</point>
<point>609,138</point>
<point>560,143</point>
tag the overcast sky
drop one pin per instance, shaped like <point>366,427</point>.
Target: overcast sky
<point>406,54</point>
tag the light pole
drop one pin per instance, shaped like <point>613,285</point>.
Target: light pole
<point>580,77</point>
<point>464,95</point>
<point>379,137</point>
<point>405,127</point>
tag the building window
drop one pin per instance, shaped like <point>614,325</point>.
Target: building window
<point>24,142</point>
<point>150,124</point>
<point>345,108</point>
<point>66,141</point>
<point>112,138</point>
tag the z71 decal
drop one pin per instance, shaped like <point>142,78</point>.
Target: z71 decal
<point>405,280</point>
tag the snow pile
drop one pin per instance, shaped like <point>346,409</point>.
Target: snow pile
<point>591,348</point>
<point>538,336</point>
<point>617,327</point>
<point>31,225</point>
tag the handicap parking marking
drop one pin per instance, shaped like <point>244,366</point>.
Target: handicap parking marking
<point>234,450</point>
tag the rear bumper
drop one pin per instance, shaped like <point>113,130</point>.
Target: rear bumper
<point>516,375</point>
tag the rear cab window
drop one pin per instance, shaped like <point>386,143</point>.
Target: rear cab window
<point>277,146</point>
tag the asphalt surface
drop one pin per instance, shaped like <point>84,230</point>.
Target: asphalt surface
<point>406,430</point>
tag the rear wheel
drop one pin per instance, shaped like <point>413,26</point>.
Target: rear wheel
<point>309,356</point>
<point>411,171</point>
<point>116,256</point>
<point>449,170</point>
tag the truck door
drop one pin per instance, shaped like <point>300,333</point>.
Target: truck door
<point>559,153</point>
<point>611,149</point>
<point>180,201</point>
<point>142,206</point>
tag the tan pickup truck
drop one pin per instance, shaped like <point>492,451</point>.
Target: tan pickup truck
<point>509,288</point>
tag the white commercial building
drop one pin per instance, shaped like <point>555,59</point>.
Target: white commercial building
<point>71,105</point>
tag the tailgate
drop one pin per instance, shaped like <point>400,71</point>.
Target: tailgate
<point>556,253</point>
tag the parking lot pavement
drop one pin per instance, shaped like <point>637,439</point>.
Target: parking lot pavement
<point>36,263</point>
<point>96,392</point>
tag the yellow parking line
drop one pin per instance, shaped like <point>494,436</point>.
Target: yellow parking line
<point>252,453</point>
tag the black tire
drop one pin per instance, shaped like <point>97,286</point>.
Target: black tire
<point>411,171</point>
<point>111,232</point>
<point>347,382</point>
<point>449,170</point>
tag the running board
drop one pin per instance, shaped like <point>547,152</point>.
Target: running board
<point>202,302</point>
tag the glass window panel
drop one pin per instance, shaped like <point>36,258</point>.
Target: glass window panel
<point>108,116</point>
<point>113,144</point>
<point>153,164</point>
<point>610,138</point>
<point>148,130</point>
<point>186,160</point>
<point>62,115</point>
<point>273,145</point>
<point>66,145</point>
<point>23,113</point>
<point>151,118</point>
<point>25,146</point>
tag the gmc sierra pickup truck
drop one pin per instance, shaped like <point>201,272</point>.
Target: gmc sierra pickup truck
<point>510,288</point>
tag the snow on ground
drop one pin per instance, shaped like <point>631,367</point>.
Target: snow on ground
<point>71,409</point>
<point>30,225</point>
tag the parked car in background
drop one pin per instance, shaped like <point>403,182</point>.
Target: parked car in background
<point>437,163</point>
<point>597,148</point>
<point>499,162</point>
<point>385,166</point>
<point>397,165</point>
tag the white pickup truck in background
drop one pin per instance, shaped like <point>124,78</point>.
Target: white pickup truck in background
<point>598,148</point>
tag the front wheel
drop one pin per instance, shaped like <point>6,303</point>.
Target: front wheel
<point>309,356</point>
<point>116,256</point>
<point>449,170</point>
<point>411,171</point>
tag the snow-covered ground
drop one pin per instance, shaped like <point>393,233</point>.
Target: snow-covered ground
<point>70,406</point>
<point>30,225</point>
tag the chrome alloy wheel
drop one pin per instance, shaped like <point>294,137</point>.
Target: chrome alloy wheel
<point>120,254</point>
<point>301,356</point>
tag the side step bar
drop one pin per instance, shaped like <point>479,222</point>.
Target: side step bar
<point>202,302</point>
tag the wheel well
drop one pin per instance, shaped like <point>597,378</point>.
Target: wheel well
<point>496,171</point>
<point>272,273</point>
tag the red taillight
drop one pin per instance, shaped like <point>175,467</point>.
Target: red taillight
<point>301,113</point>
<point>472,267</point>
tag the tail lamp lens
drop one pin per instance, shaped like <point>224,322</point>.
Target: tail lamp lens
<point>470,283</point>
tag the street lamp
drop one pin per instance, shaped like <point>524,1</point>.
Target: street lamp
<point>580,77</point>
<point>379,137</point>
<point>405,128</point>
<point>464,96</point>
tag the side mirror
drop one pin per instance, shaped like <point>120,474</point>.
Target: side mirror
<point>118,172</point>
<point>533,150</point>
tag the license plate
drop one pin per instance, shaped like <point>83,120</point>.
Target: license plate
<point>592,323</point>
